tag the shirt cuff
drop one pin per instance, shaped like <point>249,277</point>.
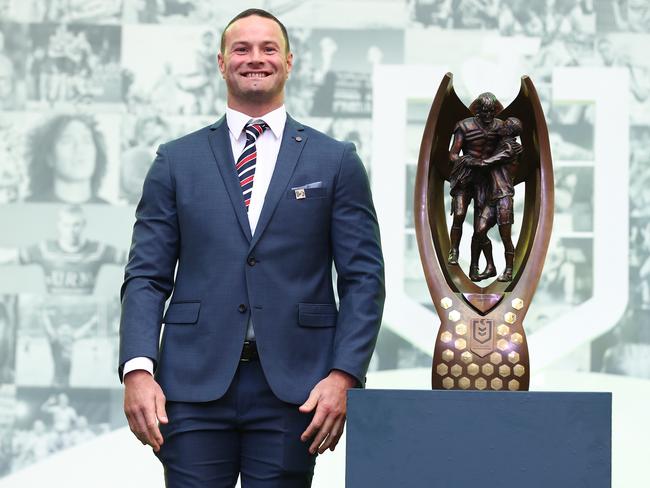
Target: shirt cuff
<point>138,363</point>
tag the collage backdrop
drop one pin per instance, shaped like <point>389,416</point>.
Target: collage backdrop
<point>90,88</point>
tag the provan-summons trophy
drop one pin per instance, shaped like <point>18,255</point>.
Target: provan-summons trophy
<point>481,343</point>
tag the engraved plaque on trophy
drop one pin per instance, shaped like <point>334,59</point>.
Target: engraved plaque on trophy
<point>486,153</point>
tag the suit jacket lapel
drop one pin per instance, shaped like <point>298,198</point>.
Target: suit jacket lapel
<point>293,140</point>
<point>222,150</point>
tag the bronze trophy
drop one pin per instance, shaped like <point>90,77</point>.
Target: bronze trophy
<point>481,343</point>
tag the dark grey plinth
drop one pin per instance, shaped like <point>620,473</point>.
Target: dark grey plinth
<point>463,439</point>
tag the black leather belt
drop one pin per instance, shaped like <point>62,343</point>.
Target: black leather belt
<point>249,352</point>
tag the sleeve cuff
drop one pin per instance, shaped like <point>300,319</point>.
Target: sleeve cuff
<point>138,363</point>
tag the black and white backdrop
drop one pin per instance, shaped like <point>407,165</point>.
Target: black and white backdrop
<point>89,88</point>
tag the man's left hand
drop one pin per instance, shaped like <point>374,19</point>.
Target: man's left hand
<point>329,399</point>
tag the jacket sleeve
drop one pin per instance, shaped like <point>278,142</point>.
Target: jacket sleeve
<point>149,274</point>
<point>359,265</point>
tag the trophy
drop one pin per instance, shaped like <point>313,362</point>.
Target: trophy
<point>485,151</point>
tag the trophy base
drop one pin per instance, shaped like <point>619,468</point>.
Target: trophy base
<point>481,352</point>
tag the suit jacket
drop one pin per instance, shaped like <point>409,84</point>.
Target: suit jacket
<point>192,240</point>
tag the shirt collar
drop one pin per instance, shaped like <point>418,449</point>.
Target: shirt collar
<point>275,119</point>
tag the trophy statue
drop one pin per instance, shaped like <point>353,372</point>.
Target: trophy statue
<point>481,343</point>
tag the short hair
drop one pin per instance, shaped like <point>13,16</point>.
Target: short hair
<point>259,13</point>
<point>42,141</point>
<point>486,100</point>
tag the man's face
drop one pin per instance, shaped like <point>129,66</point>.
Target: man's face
<point>509,128</point>
<point>255,64</point>
<point>39,427</point>
<point>71,227</point>
<point>75,153</point>
<point>486,114</point>
<point>63,400</point>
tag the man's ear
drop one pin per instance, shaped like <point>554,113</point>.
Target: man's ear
<point>221,63</point>
<point>289,62</point>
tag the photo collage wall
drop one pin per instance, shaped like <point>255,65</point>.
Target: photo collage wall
<point>90,88</point>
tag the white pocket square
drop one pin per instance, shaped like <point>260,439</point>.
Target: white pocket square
<point>315,184</point>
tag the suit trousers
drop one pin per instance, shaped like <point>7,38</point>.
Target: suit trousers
<point>248,431</point>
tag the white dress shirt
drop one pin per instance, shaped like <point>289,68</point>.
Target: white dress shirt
<point>268,147</point>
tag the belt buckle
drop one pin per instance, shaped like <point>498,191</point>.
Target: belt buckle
<point>246,354</point>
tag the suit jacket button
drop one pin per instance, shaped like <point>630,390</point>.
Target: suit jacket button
<point>242,308</point>
<point>251,261</point>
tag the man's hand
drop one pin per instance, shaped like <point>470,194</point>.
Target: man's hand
<point>329,399</point>
<point>144,406</point>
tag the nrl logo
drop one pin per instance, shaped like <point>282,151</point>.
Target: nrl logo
<point>481,341</point>
<point>482,330</point>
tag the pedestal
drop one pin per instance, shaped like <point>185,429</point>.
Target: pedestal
<point>467,439</point>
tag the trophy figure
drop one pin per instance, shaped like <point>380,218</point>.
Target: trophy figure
<point>481,343</point>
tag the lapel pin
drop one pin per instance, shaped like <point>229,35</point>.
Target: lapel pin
<point>300,193</point>
<point>298,138</point>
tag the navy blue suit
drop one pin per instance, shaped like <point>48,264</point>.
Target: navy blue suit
<point>192,216</point>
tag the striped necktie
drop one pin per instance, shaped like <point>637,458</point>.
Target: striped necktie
<point>247,160</point>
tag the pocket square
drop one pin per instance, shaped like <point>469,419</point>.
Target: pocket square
<point>315,184</point>
<point>311,191</point>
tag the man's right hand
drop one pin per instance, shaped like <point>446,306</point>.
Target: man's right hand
<point>144,406</point>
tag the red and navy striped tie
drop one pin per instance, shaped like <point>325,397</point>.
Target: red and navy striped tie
<point>248,159</point>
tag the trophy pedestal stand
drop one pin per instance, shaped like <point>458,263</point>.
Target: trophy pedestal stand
<point>464,439</point>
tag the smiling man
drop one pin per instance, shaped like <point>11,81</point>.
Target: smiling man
<point>240,223</point>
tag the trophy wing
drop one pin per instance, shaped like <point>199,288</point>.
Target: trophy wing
<point>524,107</point>
<point>429,205</point>
<point>447,109</point>
<point>535,170</point>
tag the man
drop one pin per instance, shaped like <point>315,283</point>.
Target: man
<point>477,137</point>
<point>63,415</point>
<point>82,432</point>
<point>242,220</point>
<point>203,83</point>
<point>33,445</point>
<point>499,205</point>
<point>71,263</point>
<point>62,339</point>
